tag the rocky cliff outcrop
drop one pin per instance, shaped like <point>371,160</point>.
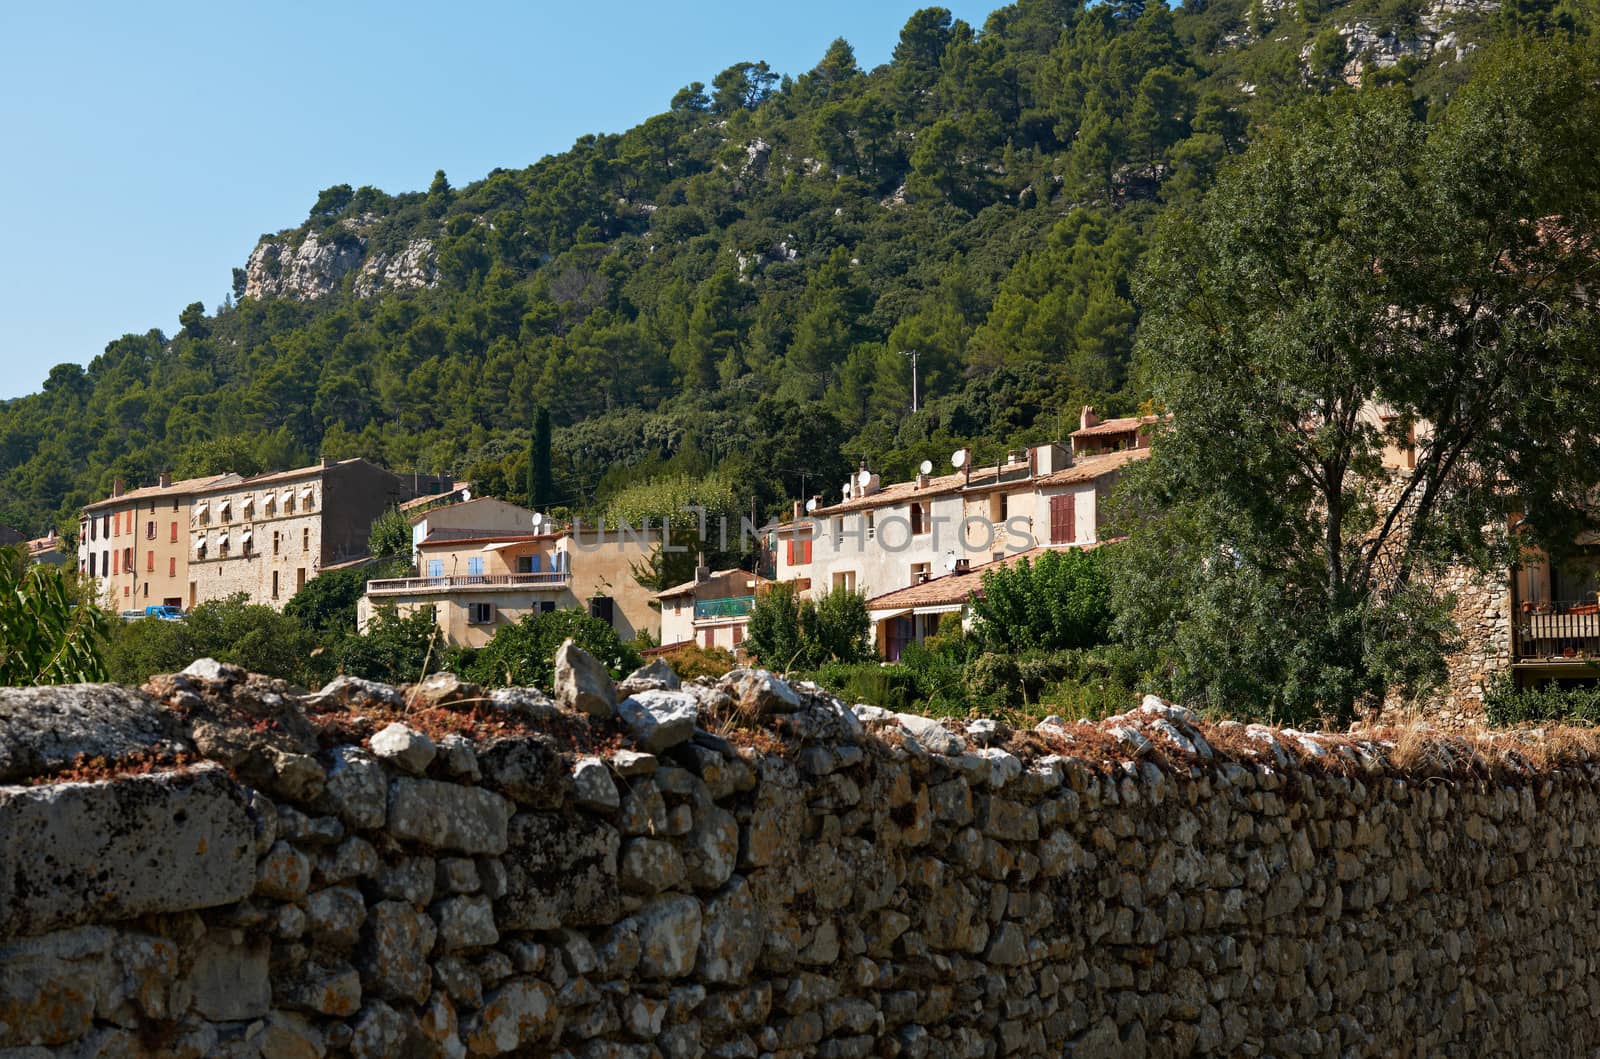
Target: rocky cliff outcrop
<point>318,264</point>
<point>746,867</point>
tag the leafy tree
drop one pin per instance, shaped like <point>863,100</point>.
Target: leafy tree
<point>1060,600</point>
<point>326,606</point>
<point>392,649</point>
<point>230,630</point>
<point>523,655</point>
<point>787,632</point>
<point>1363,280</point>
<point>391,536</point>
<point>50,633</point>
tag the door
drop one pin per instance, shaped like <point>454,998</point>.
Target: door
<point>1063,519</point>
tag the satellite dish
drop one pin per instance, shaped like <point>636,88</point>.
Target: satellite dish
<point>927,467</point>
<point>538,520</point>
<point>958,459</point>
<point>950,563</point>
<point>466,494</point>
<point>811,505</point>
<point>864,477</point>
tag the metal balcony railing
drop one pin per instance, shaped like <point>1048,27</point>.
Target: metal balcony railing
<point>1558,629</point>
<point>728,607</point>
<point>469,582</point>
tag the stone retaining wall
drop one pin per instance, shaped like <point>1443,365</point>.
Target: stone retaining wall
<point>311,879</point>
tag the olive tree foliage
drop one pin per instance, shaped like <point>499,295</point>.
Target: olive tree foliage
<point>1363,279</point>
<point>788,632</point>
<point>49,632</point>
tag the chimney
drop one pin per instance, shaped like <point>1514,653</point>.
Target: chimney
<point>1049,458</point>
<point>328,461</point>
<point>798,508</point>
<point>1087,418</point>
<point>963,566</point>
<point>922,577</point>
<point>165,481</point>
<point>118,487</point>
<point>922,480</point>
<point>702,572</point>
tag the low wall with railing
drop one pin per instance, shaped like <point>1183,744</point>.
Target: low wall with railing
<point>224,865</point>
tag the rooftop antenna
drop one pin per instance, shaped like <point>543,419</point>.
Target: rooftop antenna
<point>913,355</point>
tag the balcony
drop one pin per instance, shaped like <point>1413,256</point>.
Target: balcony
<point>547,580</point>
<point>1558,631</point>
<point>728,607</point>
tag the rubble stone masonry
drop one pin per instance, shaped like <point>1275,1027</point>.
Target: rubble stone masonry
<point>223,865</point>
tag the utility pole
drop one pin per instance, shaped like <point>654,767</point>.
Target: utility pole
<point>913,354</point>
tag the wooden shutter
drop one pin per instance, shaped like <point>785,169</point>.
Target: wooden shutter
<point>1063,519</point>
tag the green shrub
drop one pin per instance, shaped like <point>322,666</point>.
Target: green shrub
<point>230,630</point>
<point>1060,600</point>
<point>393,649</point>
<point>1506,705</point>
<point>692,660</point>
<point>523,655</point>
<point>49,634</point>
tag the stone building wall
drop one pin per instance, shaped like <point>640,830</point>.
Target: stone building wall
<point>243,870</point>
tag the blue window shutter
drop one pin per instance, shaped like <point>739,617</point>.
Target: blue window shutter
<point>435,567</point>
<point>536,561</point>
<point>475,566</point>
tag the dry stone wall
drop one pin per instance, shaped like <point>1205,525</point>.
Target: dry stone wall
<point>245,870</point>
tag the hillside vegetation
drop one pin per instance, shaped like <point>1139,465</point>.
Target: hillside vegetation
<point>727,290</point>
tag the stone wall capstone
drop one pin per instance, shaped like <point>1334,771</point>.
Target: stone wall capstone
<point>789,876</point>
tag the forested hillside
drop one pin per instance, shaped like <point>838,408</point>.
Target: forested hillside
<point>730,286</point>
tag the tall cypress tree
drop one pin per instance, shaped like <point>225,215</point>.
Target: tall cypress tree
<point>540,486</point>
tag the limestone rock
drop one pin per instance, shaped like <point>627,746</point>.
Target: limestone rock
<point>934,736</point>
<point>228,976</point>
<point>527,769</point>
<point>758,693</point>
<point>514,1017</point>
<point>448,817</point>
<point>44,729</point>
<point>582,683</point>
<point>465,922</point>
<point>165,842</point>
<point>442,689</point>
<point>669,936</point>
<point>405,748</point>
<point>595,789</point>
<point>654,675</point>
<point>659,720</point>
<point>649,866</point>
<point>394,952</point>
<point>354,693</point>
<point>731,935</point>
<point>561,871</point>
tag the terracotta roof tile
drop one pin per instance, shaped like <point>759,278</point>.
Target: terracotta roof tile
<point>188,485</point>
<point>1115,426</point>
<point>956,587</point>
<point>1088,468</point>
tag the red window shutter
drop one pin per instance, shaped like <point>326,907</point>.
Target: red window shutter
<point>172,566</point>
<point>791,551</point>
<point>1063,519</point>
<point>710,638</point>
<point>805,551</point>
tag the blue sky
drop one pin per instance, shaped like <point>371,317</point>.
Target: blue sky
<point>148,146</point>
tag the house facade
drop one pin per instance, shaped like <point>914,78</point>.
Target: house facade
<point>478,579</point>
<point>135,543</point>
<point>882,539</point>
<point>267,536</point>
<point>712,610</point>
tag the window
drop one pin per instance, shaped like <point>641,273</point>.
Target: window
<point>920,572</point>
<point>525,564</point>
<point>150,562</point>
<point>604,608</point>
<point>480,613</point>
<point>91,564</point>
<point>1063,519</point>
<point>546,606</point>
<point>150,530</point>
<point>738,635</point>
<point>299,578</point>
<point>274,584</point>
<point>799,552</point>
<point>276,536</point>
<point>172,566</point>
<point>435,567</point>
<point>872,524</point>
<point>174,503</point>
<point>997,508</point>
<point>475,566</point>
<point>838,531</point>
<point>305,539</point>
<point>127,559</point>
<point>710,638</point>
<point>845,580</point>
<point>174,533</point>
<point>919,519</point>
<point>147,590</point>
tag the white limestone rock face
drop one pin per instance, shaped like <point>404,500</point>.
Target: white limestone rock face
<point>313,269</point>
<point>410,268</point>
<point>447,816</point>
<point>44,729</point>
